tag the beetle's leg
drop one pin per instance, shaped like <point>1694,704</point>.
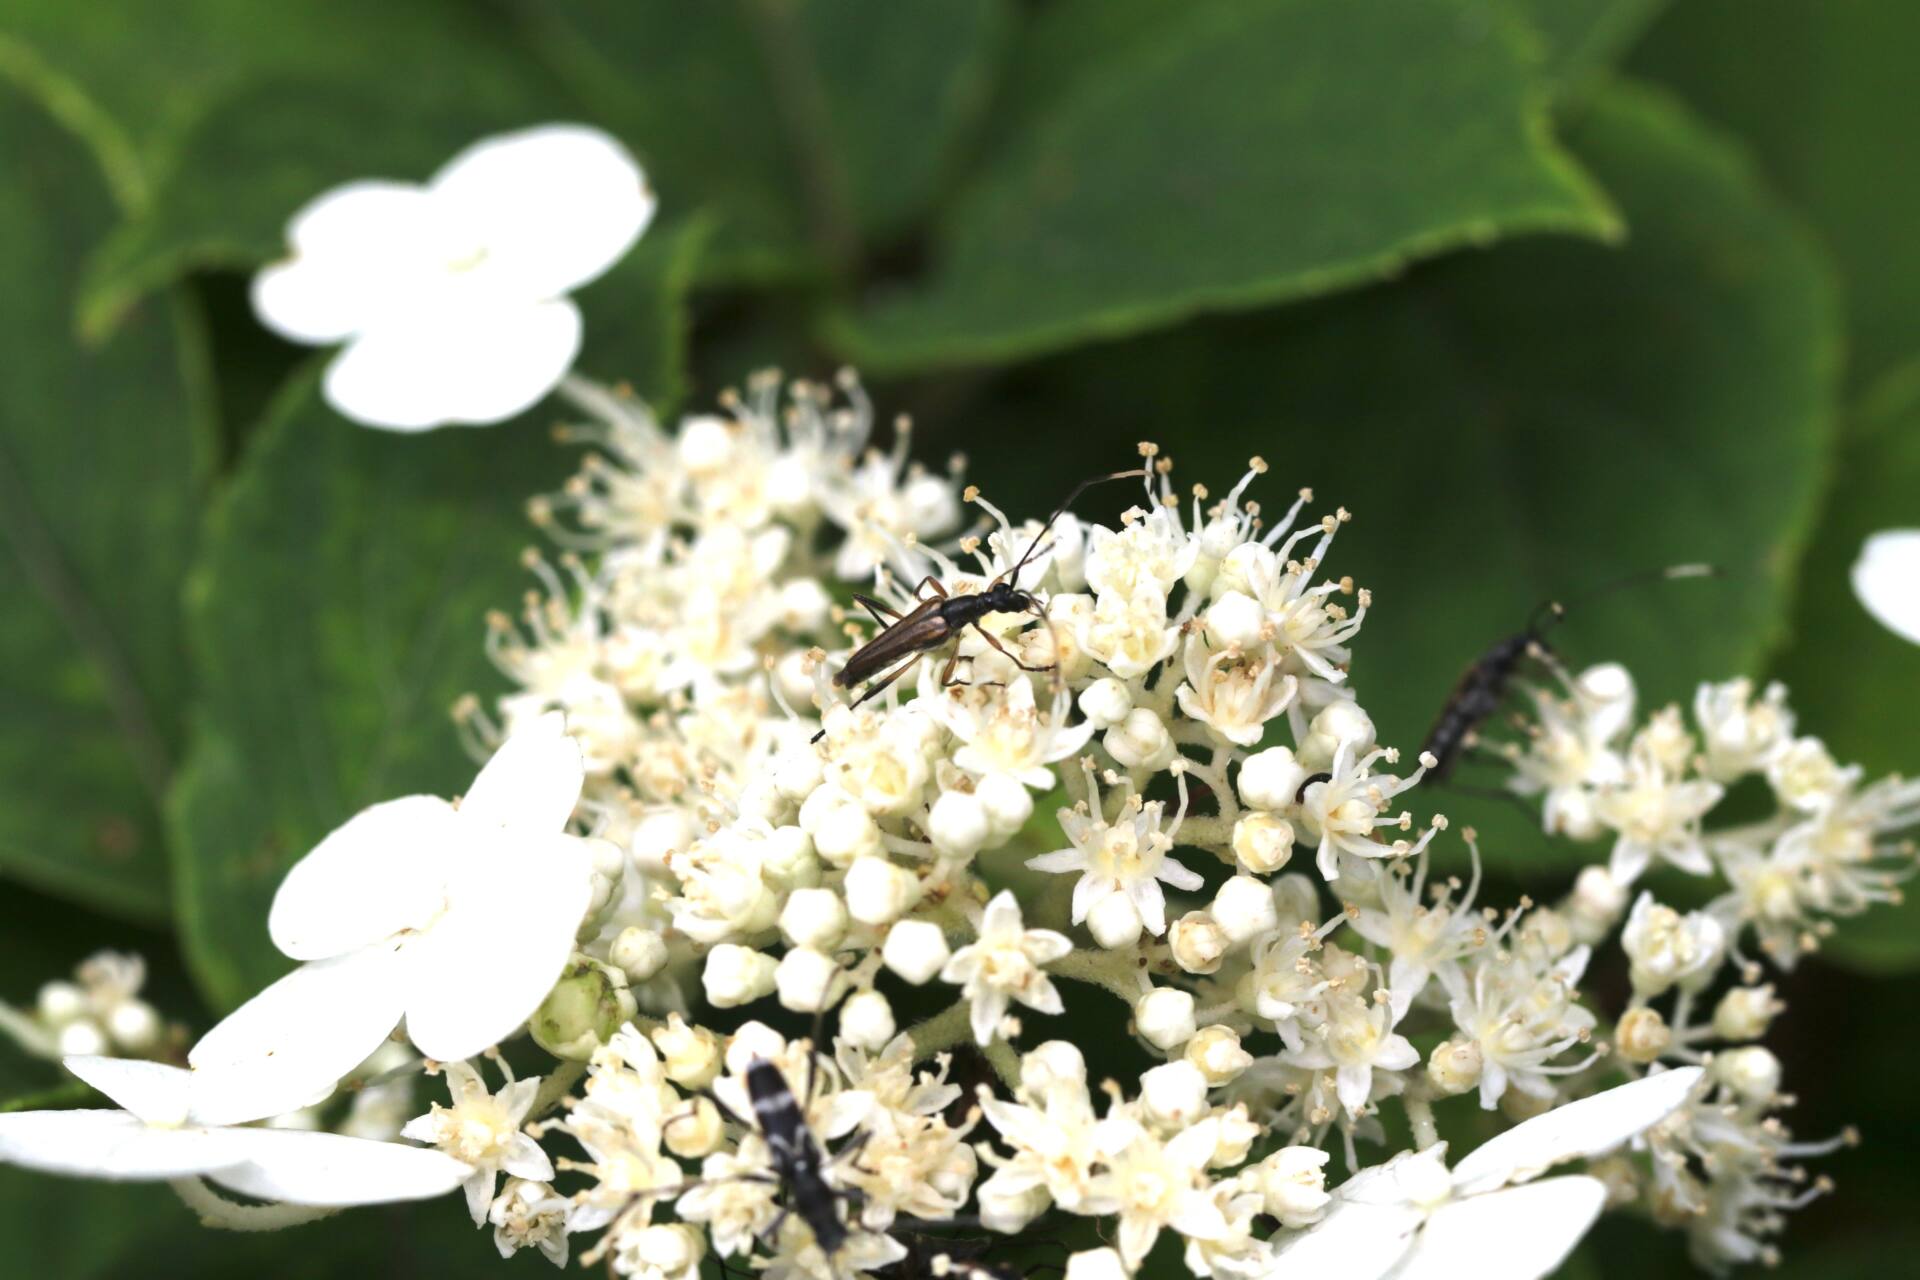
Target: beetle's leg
<point>930,581</point>
<point>1006,653</point>
<point>879,686</point>
<point>875,608</point>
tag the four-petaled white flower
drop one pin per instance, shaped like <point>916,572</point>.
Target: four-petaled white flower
<point>482,1131</point>
<point>1886,577</point>
<point>459,919</point>
<point>1413,1219</point>
<point>451,297</point>
<point>165,1132</point>
<point>1005,964</point>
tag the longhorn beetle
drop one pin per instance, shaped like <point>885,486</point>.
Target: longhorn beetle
<point>1483,686</point>
<point>938,618</point>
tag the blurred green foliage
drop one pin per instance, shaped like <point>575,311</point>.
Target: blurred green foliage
<point>1542,290</point>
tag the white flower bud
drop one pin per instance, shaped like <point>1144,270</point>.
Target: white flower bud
<point>1216,1051</point>
<point>1262,842</point>
<point>752,1040</point>
<point>1106,702</point>
<point>1114,921</point>
<point>658,835</point>
<point>1805,776</point>
<point>638,952</point>
<point>797,772</point>
<point>1454,1066</point>
<point>1008,804</point>
<point>1244,908</point>
<point>82,1036</point>
<point>737,975</point>
<point>804,604</point>
<point>787,859</point>
<point>1236,619</point>
<point>1008,1208</point>
<point>1745,1013</point>
<point>959,825</point>
<point>805,979</point>
<point>1751,1072</point>
<point>705,443</point>
<point>1666,947</point>
<point>1198,942</point>
<point>814,918</point>
<point>689,1055</point>
<point>586,1007</point>
<point>866,1019</point>
<point>1596,903</point>
<point>879,891</point>
<point>1096,1264</point>
<point>1643,1035</point>
<point>792,676</point>
<point>1174,1094</point>
<point>1294,1182</point>
<point>1055,1062</point>
<point>60,1002</point>
<point>665,1249</point>
<point>1296,900</point>
<point>1140,741</point>
<point>916,950</point>
<point>1165,1017</point>
<point>134,1026</point>
<point>1272,779</point>
<point>843,833</point>
<point>695,1131</point>
<point>1574,812</point>
<point>1340,723</point>
<point>1234,1136</point>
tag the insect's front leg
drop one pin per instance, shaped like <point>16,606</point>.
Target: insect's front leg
<point>1005,652</point>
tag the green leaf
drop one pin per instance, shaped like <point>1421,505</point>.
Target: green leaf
<point>1585,37</point>
<point>1505,428</point>
<point>338,611</point>
<point>98,493</point>
<point>1156,161</point>
<point>1823,94</point>
<point>1855,684</point>
<point>814,126</point>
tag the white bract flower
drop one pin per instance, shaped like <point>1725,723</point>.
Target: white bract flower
<point>483,1131</point>
<point>451,298</point>
<point>459,919</point>
<point>1124,859</point>
<point>1414,1219</point>
<point>1886,577</point>
<point>166,1132</point>
<point>1005,964</point>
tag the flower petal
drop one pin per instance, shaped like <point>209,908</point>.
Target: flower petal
<point>532,782</point>
<point>554,206</point>
<point>470,361</point>
<point>383,871</point>
<point>111,1144</point>
<point>329,1168</point>
<point>487,964</point>
<point>289,1046</point>
<point>1587,1127</point>
<point>1521,1233</point>
<point>358,251</point>
<point>1355,1241</point>
<point>1886,577</point>
<point>157,1093</point>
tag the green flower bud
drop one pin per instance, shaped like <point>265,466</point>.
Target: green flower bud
<point>589,1003</point>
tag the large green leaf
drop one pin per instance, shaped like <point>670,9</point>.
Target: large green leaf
<point>338,612</point>
<point>1585,37</point>
<point>1153,161</point>
<point>98,456</point>
<point>1823,93</point>
<point>813,126</point>
<point>1507,427</point>
<point>1854,683</point>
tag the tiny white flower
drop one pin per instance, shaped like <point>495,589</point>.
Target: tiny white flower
<point>1667,947</point>
<point>1886,578</point>
<point>459,919</point>
<point>165,1133</point>
<point>1126,858</point>
<point>451,297</point>
<point>483,1131</point>
<point>530,1214</point>
<point>1006,964</point>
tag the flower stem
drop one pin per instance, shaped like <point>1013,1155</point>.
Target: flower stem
<point>562,1078</point>
<point>946,1028</point>
<point>1115,971</point>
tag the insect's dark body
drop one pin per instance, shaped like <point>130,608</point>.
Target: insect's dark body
<point>933,622</point>
<point>1476,698</point>
<point>797,1158</point>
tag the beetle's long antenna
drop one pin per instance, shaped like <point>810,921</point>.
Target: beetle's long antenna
<point>1550,612</point>
<point>1013,574</point>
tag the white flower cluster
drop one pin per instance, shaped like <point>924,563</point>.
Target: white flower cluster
<point>1076,769</point>
<point>98,1012</point>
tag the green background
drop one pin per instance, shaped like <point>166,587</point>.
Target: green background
<point>1544,291</point>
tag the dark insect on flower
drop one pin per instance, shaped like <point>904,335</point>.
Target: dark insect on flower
<point>1484,686</point>
<point>938,618</point>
